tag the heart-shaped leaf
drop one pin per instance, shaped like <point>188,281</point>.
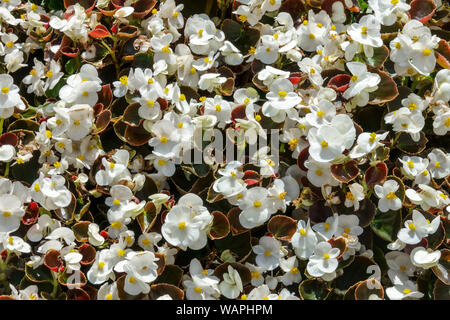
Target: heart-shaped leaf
<point>313,289</point>
<point>422,10</point>
<point>220,227</point>
<point>345,172</point>
<point>282,227</point>
<point>376,174</point>
<point>100,32</point>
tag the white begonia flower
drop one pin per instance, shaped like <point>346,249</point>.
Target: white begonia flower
<point>270,74</point>
<point>319,173</point>
<point>202,34</point>
<point>11,213</point>
<point>14,59</point>
<point>231,183</point>
<point>367,33</point>
<point>361,84</point>
<point>441,123</point>
<point>84,92</point>
<point>418,228</point>
<point>403,120</point>
<point>122,208</point>
<point>206,63</point>
<point>416,168</point>
<point>400,262</point>
<point>439,166</point>
<point>266,162</point>
<point>314,31</point>
<point>261,292</point>
<point>124,85</point>
<point>304,240</point>
<point>73,27</point>
<point>140,269</point>
<point>62,233</point>
<point>80,123</point>
<point>267,50</point>
<point>108,291</point>
<point>7,153</point>
<point>231,286</point>
<point>280,100</point>
<point>323,261</point>
<point>34,79</point>
<point>210,81</point>
<point>414,103</point>
<point>256,274</point>
<point>268,253</point>
<point>348,225</point>
<point>71,257</point>
<point>148,241</point>
<point>94,236</point>
<point>284,191</point>
<point>150,107</point>
<point>9,96</point>
<point>50,192</point>
<point>245,14</point>
<point>354,196</point>
<point>427,197</point>
<point>168,253</point>
<point>256,207</point>
<point>164,166</point>
<point>29,293</point>
<point>388,11</point>
<point>413,48</point>
<point>366,143</point>
<point>321,114</point>
<point>53,75</point>
<point>247,96</point>
<point>6,15</point>
<point>388,198</point>
<point>312,69</point>
<point>327,229</point>
<point>441,86</point>
<point>425,258</point>
<point>220,108</point>
<point>187,225</point>
<point>325,143</point>
<point>292,274</point>
<point>14,244</point>
<point>406,291</point>
<point>114,170</point>
<point>102,268</point>
<point>202,284</point>
<point>42,228</point>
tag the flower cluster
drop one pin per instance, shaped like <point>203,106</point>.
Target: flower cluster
<point>104,103</point>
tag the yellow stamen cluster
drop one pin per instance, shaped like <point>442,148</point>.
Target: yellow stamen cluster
<point>391,196</point>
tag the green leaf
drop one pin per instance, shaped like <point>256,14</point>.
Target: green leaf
<point>387,224</point>
<point>313,289</point>
<point>239,244</point>
<point>71,66</point>
<point>355,272</point>
<point>172,274</point>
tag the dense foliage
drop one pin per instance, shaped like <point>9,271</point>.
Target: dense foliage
<point>100,100</point>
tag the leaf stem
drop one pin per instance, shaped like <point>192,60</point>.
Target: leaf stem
<point>113,55</point>
<point>3,267</point>
<point>55,284</point>
<point>6,173</point>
